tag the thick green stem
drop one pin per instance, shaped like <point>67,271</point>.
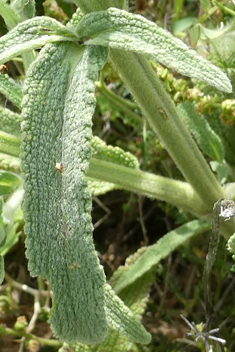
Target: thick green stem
<point>175,192</point>
<point>120,103</point>
<point>47,342</point>
<point>162,116</point>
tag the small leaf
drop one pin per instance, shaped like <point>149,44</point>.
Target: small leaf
<point>102,151</point>
<point>200,32</point>
<point>225,133</point>
<point>8,182</point>
<point>224,46</point>
<point>9,15</point>
<point>206,5</point>
<point>9,144</point>
<point>100,187</point>
<point>222,170</point>
<point>10,121</point>
<point>182,25</point>
<point>11,216</point>
<point>32,34</point>
<point>11,90</point>
<point>206,138</point>
<point>116,155</point>
<point>160,250</point>
<point>24,8</point>
<point>122,30</point>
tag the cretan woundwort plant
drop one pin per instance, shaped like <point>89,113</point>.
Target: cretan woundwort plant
<point>60,158</point>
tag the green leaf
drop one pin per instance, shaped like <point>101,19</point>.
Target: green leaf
<point>206,138</point>
<point>57,109</point>
<point>100,187</point>
<point>11,216</point>
<point>101,151</point>
<point>8,182</point>
<point>224,46</point>
<point>9,144</point>
<point>10,121</point>
<point>24,8</point>
<point>121,319</point>
<point>200,32</point>
<point>9,163</point>
<point>32,34</point>
<point>119,29</point>
<point>116,155</point>
<point>225,133</point>
<point>9,15</point>
<point>182,25</point>
<point>206,5</point>
<point>223,171</point>
<point>11,206</point>
<point>160,250</point>
<point>11,90</point>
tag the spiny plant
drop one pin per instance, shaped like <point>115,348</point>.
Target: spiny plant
<point>60,159</point>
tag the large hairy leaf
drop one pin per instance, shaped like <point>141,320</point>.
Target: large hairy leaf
<point>32,34</point>
<point>57,109</point>
<point>119,29</point>
<point>160,250</point>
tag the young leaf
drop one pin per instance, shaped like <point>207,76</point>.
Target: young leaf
<point>10,121</point>
<point>11,216</point>
<point>116,155</point>
<point>32,34</point>
<point>160,250</point>
<point>9,15</point>
<point>11,90</point>
<point>24,8</point>
<point>122,30</point>
<point>207,139</point>
<point>9,163</point>
<point>9,144</point>
<point>112,154</point>
<point>57,108</point>
<point>225,133</point>
<point>8,182</point>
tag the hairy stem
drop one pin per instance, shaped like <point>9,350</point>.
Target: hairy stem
<point>175,192</point>
<point>162,116</point>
